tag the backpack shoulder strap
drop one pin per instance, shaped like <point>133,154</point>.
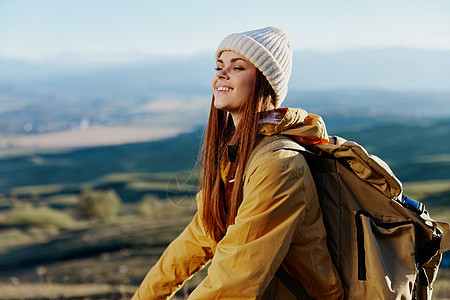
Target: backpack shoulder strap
<point>274,143</point>
<point>293,285</point>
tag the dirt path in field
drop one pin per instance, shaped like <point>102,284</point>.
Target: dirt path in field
<point>91,137</point>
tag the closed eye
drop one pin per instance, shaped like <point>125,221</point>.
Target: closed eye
<point>234,68</point>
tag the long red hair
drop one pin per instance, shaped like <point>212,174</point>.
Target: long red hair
<point>219,211</point>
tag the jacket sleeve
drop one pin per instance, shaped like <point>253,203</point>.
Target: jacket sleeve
<point>273,207</point>
<point>185,256</point>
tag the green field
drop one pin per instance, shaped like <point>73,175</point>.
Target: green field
<point>48,252</point>
<point>108,260</point>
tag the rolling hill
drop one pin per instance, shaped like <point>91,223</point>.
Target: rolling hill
<point>415,152</point>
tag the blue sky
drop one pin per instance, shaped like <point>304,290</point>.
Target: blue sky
<point>119,30</point>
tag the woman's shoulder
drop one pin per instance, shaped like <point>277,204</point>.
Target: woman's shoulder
<point>270,158</point>
<point>277,149</point>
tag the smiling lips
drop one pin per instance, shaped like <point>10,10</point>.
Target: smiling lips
<point>224,88</point>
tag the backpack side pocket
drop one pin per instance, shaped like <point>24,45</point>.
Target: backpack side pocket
<point>386,256</point>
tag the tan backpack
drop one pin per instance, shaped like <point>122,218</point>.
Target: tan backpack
<point>383,244</point>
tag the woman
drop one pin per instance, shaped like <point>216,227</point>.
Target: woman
<point>256,215</point>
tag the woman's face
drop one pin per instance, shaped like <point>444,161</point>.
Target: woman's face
<point>233,83</point>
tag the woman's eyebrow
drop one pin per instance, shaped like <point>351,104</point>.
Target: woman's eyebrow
<point>237,58</point>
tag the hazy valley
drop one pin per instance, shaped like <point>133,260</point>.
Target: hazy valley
<point>129,134</point>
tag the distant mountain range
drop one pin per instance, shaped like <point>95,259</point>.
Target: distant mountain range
<point>350,88</point>
<point>389,68</point>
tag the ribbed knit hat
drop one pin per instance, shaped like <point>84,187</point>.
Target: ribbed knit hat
<point>269,50</point>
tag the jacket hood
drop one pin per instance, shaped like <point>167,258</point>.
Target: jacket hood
<point>295,122</point>
<point>306,128</point>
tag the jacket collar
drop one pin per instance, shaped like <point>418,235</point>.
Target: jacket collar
<point>295,122</point>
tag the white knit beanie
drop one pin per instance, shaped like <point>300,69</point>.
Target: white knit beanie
<point>269,50</point>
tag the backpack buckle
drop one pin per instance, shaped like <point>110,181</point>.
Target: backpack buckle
<point>413,205</point>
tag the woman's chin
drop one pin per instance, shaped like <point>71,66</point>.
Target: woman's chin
<point>220,105</point>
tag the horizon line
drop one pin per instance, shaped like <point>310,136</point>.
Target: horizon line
<point>132,56</point>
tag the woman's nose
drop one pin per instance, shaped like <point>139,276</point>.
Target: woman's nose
<point>223,74</point>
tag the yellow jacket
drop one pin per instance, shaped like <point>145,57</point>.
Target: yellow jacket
<point>279,223</point>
